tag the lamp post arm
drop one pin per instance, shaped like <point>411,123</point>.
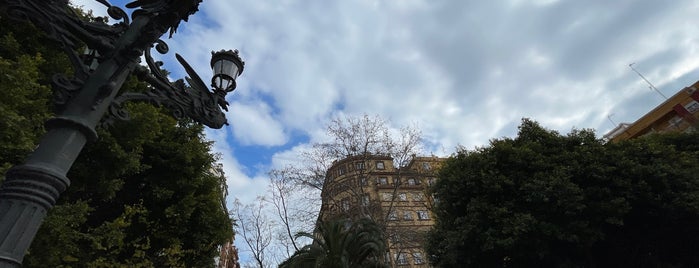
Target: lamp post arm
<point>192,99</point>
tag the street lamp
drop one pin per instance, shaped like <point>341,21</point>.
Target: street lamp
<point>92,96</point>
<point>227,66</point>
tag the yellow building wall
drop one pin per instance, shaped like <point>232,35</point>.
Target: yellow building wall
<point>678,113</point>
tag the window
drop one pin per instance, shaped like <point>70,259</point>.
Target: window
<point>394,238</point>
<point>413,181</point>
<point>396,181</point>
<point>407,215</point>
<point>402,197</point>
<point>379,165</point>
<point>359,165</point>
<point>365,200</point>
<point>401,259</point>
<point>363,181</point>
<point>417,257</point>
<point>382,180</point>
<point>386,196</point>
<point>692,106</point>
<point>422,214</point>
<point>345,204</point>
<point>425,166</point>
<point>343,186</point>
<point>675,122</point>
<point>392,216</point>
<point>341,170</point>
<point>418,197</point>
<point>430,181</point>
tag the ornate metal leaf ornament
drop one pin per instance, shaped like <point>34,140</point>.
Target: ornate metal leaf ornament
<point>173,11</point>
<point>192,99</point>
<point>63,25</point>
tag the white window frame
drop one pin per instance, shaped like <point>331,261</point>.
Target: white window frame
<point>412,181</point>
<point>386,196</point>
<point>417,258</point>
<point>380,165</point>
<point>393,216</point>
<point>401,258</point>
<point>345,204</point>
<point>365,200</point>
<point>418,197</point>
<point>423,215</point>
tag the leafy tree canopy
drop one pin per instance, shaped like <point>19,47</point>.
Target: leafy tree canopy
<point>552,200</point>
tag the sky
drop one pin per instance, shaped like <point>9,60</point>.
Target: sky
<point>463,71</point>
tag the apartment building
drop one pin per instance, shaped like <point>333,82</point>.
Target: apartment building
<point>678,113</point>
<point>398,199</point>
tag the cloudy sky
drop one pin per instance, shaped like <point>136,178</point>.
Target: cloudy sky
<point>463,71</point>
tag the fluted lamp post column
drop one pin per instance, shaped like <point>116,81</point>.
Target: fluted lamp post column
<point>92,96</point>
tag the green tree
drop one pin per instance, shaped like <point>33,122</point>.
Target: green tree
<point>552,200</point>
<point>26,67</point>
<point>341,244</point>
<point>148,193</point>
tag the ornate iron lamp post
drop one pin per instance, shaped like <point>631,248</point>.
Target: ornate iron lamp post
<point>114,52</point>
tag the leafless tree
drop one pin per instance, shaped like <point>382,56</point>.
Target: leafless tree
<point>292,206</point>
<point>364,138</point>
<point>256,229</point>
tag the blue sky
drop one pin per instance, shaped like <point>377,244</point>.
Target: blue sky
<point>463,71</point>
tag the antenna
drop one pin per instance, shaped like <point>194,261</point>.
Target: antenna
<point>651,86</point>
<point>610,119</point>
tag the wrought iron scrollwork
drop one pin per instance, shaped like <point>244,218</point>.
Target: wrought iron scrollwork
<point>63,25</point>
<point>173,11</point>
<point>64,89</point>
<point>192,99</point>
<point>185,97</point>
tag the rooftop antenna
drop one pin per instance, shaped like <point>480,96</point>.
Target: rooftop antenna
<point>609,116</point>
<point>650,85</point>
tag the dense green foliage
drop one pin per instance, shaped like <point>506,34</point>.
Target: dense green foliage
<point>146,194</point>
<point>548,200</point>
<point>341,244</point>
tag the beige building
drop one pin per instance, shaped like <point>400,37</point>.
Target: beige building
<point>678,113</point>
<point>396,198</point>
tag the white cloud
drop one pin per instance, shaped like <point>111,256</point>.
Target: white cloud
<point>240,185</point>
<point>253,124</point>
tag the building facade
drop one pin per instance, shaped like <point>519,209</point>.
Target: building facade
<point>678,113</point>
<point>398,199</point>
<point>228,257</point>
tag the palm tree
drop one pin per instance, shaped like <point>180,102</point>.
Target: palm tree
<point>341,244</point>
